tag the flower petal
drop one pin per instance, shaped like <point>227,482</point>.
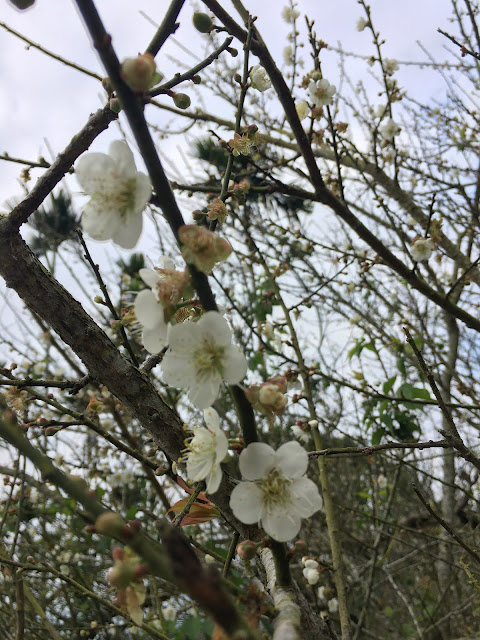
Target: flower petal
<point>234,365</point>
<point>215,327</point>
<point>214,479</point>
<point>143,191</point>
<point>150,277</point>
<point>123,158</point>
<point>292,459</point>
<point>246,502</point>
<point>154,339</point>
<point>212,419</point>
<point>305,497</point>
<point>149,312</point>
<point>256,460</point>
<point>97,221</point>
<point>177,370</point>
<point>92,169</point>
<point>281,525</point>
<point>129,230</point>
<point>203,395</point>
<point>183,338</point>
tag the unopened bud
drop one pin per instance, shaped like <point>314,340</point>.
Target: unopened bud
<point>232,51</point>
<point>110,524</point>
<point>107,85</point>
<point>247,549</point>
<point>300,546</point>
<point>202,22</point>
<point>99,300</point>
<point>198,215</point>
<point>51,431</point>
<point>22,4</point>
<point>181,100</point>
<point>237,77</point>
<point>196,79</point>
<point>115,105</point>
<point>121,575</point>
<point>138,72</point>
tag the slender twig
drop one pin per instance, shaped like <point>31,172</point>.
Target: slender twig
<point>50,54</point>
<point>232,549</point>
<point>193,496</point>
<point>188,75</point>
<point>446,526</point>
<point>462,47</point>
<point>168,26</point>
<point>444,444</point>
<point>19,606</point>
<point>108,301</point>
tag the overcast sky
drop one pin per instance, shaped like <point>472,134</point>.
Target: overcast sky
<point>45,103</point>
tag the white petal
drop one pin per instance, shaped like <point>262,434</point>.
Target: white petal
<point>183,338</point>
<point>150,277</point>
<point>91,169</point>
<point>143,191</point>
<point>256,460</point>
<point>98,223</point>
<point>246,502</point>
<point>177,370</point>
<point>154,340</point>
<point>212,419</point>
<point>280,525</point>
<point>305,497</point>
<point>234,365</point>
<point>213,325</point>
<point>129,230</point>
<point>149,312</point>
<point>166,263</point>
<point>204,395</point>
<point>214,479</point>
<point>123,158</point>
<point>198,467</point>
<point>292,459</point>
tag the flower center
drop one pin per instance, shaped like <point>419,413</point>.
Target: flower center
<point>275,488</point>
<point>209,359</point>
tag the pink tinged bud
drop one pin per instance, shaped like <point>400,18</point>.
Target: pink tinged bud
<point>110,524</point>
<point>140,570</point>
<point>138,72</point>
<point>247,549</point>
<point>300,546</point>
<point>203,248</point>
<point>118,554</point>
<point>51,431</point>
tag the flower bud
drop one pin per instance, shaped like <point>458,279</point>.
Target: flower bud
<point>121,575</point>
<point>22,4</point>
<point>247,549</point>
<point>196,79</point>
<point>182,101</point>
<point>107,85</point>
<point>202,22</point>
<point>138,72</point>
<point>51,431</point>
<point>109,523</point>
<point>300,546</point>
<point>115,105</point>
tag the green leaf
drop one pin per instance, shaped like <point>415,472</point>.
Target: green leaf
<point>406,390</point>
<point>388,385</point>
<point>424,394</point>
<point>377,435</point>
<point>130,515</point>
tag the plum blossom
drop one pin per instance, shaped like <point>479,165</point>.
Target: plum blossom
<point>259,78</point>
<point>389,129</point>
<point>150,311</point>
<point>390,65</point>
<point>362,23</point>
<point>302,109</point>
<point>321,92</point>
<point>119,194</point>
<point>206,450</point>
<point>422,249</point>
<point>200,356</point>
<point>275,494</point>
<point>289,14</point>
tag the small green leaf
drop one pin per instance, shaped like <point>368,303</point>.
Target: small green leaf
<point>388,385</point>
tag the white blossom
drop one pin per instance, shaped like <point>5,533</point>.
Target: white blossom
<point>422,249</point>
<point>149,310</point>
<point>169,612</point>
<point>118,195</point>
<point>300,434</point>
<point>311,575</point>
<point>333,605</point>
<point>382,481</point>
<point>362,23</point>
<point>302,109</point>
<point>275,494</point>
<point>288,54</point>
<point>289,14</point>
<point>259,78</point>
<point>206,450</point>
<point>200,356</point>
<point>389,129</point>
<point>390,65</point>
<point>321,92</point>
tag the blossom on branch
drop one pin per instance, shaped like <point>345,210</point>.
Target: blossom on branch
<point>321,92</point>
<point>119,194</point>
<point>206,450</point>
<point>276,494</point>
<point>259,78</point>
<point>200,356</point>
<point>422,249</point>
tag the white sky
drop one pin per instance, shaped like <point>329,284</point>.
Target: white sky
<point>45,103</point>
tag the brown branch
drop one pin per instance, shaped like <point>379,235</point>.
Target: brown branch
<point>166,29</point>
<point>444,444</point>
